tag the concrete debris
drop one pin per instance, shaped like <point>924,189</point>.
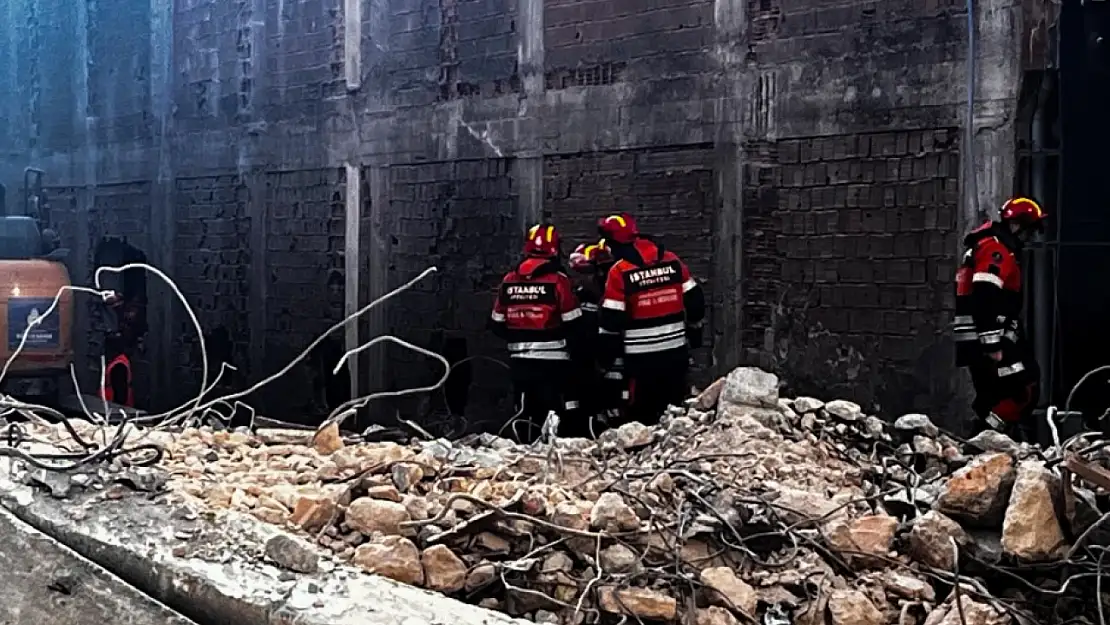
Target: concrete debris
<point>741,507</point>
<point>291,554</point>
<point>1031,529</point>
<point>978,493</point>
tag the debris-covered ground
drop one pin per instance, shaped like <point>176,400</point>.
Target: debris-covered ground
<point>740,508</point>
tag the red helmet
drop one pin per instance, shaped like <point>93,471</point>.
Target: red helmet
<point>618,228</point>
<point>588,257</point>
<point>542,241</point>
<point>1023,212</point>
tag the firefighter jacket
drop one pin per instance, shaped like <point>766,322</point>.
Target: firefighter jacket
<point>989,300</point>
<point>650,299</point>
<point>537,313</point>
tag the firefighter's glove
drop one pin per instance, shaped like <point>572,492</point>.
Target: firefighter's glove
<point>694,336</point>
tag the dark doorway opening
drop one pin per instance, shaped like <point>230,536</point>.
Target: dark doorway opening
<point>1079,337</point>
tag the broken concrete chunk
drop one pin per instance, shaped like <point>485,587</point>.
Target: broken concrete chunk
<point>374,515</point>
<point>844,410</point>
<point>851,607</point>
<point>480,576</point>
<point>394,557</point>
<point>641,602</point>
<point>729,591</point>
<point>973,613</point>
<point>443,570</point>
<point>907,586</point>
<point>991,440</point>
<point>612,514</point>
<point>916,424</point>
<point>707,399</point>
<point>807,508</point>
<point>618,558</point>
<point>1031,530</point>
<point>292,554</point>
<point>714,615</point>
<point>327,440</point>
<point>748,386</point>
<point>802,405</point>
<point>929,540</point>
<point>978,493</point>
<point>864,541</point>
<point>405,475</point>
<point>385,492</point>
<point>631,435</point>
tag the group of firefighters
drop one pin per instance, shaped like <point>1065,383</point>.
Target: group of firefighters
<point>614,340</point>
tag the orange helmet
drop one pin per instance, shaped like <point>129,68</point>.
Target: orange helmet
<point>542,241</point>
<point>1023,212</point>
<point>587,257</point>
<point>618,228</point>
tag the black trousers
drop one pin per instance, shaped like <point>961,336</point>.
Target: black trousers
<point>539,387</point>
<point>654,382</point>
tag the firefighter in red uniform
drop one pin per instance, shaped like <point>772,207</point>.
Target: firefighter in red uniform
<point>117,372</point>
<point>987,327</point>
<point>603,390</point>
<point>537,313</point>
<point>651,314</point>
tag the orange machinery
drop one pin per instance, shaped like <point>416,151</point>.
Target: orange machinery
<point>31,274</point>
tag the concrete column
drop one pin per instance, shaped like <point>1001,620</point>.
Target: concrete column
<point>352,256</point>
<point>375,248</point>
<point>85,173</point>
<point>729,48</point>
<point>259,212</point>
<point>252,168</point>
<point>352,44</point>
<point>162,309</point>
<point>528,166</point>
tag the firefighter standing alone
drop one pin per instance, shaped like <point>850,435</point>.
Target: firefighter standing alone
<point>651,313</point>
<point>987,327</point>
<point>537,313</point>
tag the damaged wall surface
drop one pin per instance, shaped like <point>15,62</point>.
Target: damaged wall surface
<point>804,156</point>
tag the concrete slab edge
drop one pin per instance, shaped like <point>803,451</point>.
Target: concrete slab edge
<point>210,567</point>
<point>43,581</point>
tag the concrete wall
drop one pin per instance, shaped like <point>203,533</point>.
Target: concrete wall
<point>804,155</point>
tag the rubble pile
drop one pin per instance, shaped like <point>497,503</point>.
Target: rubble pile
<point>741,507</point>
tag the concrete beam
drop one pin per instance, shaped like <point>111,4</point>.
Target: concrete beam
<point>44,581</point>
<point>209,567</point>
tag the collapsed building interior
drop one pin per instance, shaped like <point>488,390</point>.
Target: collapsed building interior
<point>287,162</point>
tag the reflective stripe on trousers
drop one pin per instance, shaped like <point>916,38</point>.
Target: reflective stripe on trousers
<point>655,339</point>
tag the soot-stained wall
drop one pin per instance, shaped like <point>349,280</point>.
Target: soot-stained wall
<point>804,156</point>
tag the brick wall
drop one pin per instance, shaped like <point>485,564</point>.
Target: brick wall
<point>212,261</point>
<point>51,94</point>
<point>594,42</point>
<point>305,60</point>
<point>304,249</point>
<point>461,217</point>
<point>849,263</point>
<point>119,69</point>
<point>442,50</point>
<point>669,190</point>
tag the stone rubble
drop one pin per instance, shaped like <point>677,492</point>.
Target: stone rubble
<point>741,507</point>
